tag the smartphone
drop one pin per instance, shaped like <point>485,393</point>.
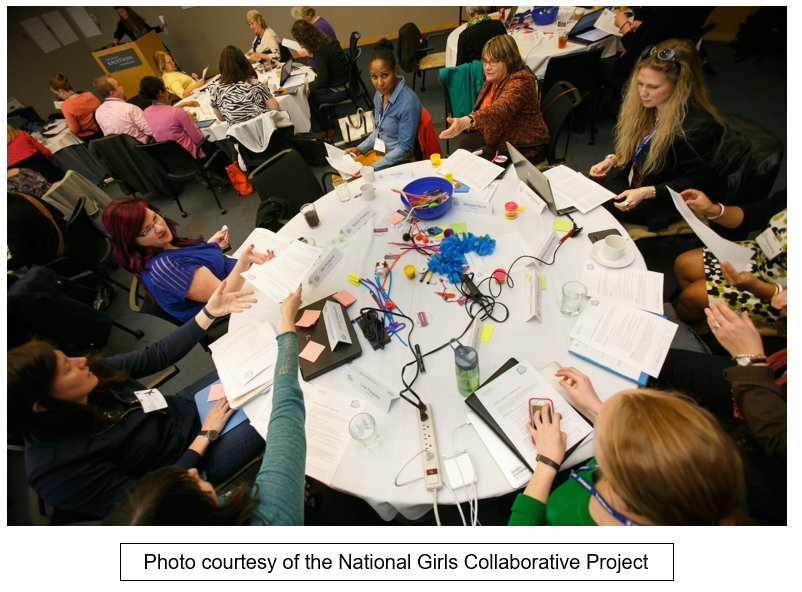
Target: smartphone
<point>602,234</point>
<point>537,405</point>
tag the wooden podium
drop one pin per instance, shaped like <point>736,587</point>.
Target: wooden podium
<point>131,62</point>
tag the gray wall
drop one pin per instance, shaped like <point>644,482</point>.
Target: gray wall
<point>195,37</point>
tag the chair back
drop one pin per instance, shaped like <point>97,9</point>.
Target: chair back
<point>137,169</point>
<point>149,305</point>
<point>85,243</point>
<point>353,46</point>
<point>176,161</point>
<point>697,39</point>
<point>557,106</point>
<point>580,68</point>
<point>410,42</point>
<point>286,178</point>
<point>41,164</point>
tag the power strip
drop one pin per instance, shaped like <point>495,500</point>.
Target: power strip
<point>432,474</point>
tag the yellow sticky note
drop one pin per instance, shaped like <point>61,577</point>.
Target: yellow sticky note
<point>542,281</point>
<point>561,225</point>
<point>459,227</point>
<point>487,331</point>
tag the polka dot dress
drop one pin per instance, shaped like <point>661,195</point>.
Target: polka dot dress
<point>771,271</point>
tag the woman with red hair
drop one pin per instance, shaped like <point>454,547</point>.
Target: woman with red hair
<point>180,273</point>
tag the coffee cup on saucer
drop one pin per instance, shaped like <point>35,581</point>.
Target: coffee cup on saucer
<point>614,247</point>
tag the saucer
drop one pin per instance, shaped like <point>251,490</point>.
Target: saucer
<point>597,251</point>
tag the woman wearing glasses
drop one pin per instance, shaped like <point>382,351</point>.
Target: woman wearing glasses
<point>659,460</point>
<point>178,83</point>
<point>507,108</point>
<point>88,438</point>
<point>180,273</point>
<point>667,135</point>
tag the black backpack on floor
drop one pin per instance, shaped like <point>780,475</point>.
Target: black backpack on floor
<point>311,145</point>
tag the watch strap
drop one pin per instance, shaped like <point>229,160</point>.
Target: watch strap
<point>547,461</point>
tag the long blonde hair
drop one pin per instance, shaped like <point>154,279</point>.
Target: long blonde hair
<point>670,461</point>
<point>11,133</point>
<point>636,122</point>
<point>158,61</point>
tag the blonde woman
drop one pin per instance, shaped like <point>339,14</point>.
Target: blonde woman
<point>659,460</point>
<point>265,45</point>
<point>667,135</point>
<point>178,83</point>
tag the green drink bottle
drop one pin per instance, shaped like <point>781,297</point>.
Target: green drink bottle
<point>466,361</point>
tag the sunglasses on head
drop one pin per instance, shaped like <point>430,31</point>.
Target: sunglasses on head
<point>663,55</point>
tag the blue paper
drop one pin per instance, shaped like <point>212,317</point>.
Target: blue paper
<point>205,406</point>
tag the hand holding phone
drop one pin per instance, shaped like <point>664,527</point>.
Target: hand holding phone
<point>538,405</point>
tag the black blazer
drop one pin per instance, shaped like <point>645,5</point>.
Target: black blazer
<point>472,40</point>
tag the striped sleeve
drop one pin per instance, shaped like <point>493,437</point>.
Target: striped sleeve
<point>172,276</point>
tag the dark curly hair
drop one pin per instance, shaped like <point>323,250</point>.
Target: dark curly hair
<point>309,36</point>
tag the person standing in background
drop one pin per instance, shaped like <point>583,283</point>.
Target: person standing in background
<point>132,25</point>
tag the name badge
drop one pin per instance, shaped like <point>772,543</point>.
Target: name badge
<point>378,146</point>
<point>768,243</point>
<point>151,399</point>
<point>358,221</point>
<point>327,263</point>
<point>371,388</point>
<point>533,198</point>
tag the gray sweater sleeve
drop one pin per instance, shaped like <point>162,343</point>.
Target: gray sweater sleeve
<point>280,482</point>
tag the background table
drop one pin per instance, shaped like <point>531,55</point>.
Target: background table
<point>370,474</point>
<point>536,52</point>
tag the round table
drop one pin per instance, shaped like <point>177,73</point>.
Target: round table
<point>370,474</point>
<point>537,48</point>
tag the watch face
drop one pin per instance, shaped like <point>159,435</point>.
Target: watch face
<point>743,361</point>
<point>212,435</point>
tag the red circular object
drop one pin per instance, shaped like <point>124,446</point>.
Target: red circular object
<point>419,237</point>
<point>425,241</point>
<point>389,305</point>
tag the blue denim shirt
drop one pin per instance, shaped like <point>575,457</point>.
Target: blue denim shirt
<point>399,128</point>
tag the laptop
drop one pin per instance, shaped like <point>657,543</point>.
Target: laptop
<point>585,25</point>
<point>328,360</point>
<point>535,180</point>
<point>288,80</point>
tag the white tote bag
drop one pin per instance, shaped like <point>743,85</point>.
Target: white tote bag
<point>356,126</point>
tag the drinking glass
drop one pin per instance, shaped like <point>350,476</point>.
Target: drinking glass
<point>363,429</point>
<point>341,188</point>
<point>310,215</point>
<point>573,296</point>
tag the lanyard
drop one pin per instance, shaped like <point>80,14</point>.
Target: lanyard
<point>595,493</point>
<point>643,144</point>
<point>381,119</point>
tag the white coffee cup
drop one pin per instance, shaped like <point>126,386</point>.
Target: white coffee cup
<point>368,191</point>
<point>367,174</point>
<point>614,247</point>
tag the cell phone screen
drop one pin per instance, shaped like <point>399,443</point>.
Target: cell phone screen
<point>538,406</point>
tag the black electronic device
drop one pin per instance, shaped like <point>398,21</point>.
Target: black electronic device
<point>343,353</point>
<point>373,330</point>
<point>584,26</point>
<point>602,234</point>
<point>470,287</point>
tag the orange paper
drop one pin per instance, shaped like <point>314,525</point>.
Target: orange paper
<point>308,319</point>
<point>312,351</point>
<point>344,298</point>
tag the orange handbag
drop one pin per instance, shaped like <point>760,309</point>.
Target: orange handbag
<point>238,179</point>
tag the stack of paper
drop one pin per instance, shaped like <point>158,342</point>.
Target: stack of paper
<point>263,240</point>
<point>245,359</point>
<point>638,287</point>
<point>344,163</point>
<point>637,338</point>
<point>281,276</point>
<point>576,189</point>
<point>476,172</point>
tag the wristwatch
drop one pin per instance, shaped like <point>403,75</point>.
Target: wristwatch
<point>748,359</point>
<point>613,158</point>
<point>211,434</point>
<point>472,120</point>
<point>547,461</point>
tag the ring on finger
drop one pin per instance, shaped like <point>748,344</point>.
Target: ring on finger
<point>717,326</point>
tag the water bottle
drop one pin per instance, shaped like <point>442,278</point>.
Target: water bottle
<point>466,361</point>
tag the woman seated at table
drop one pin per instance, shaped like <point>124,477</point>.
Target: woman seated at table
<point>701,276</point>
<point>77,109</point>
<point>396,110</point>
<point>177,496</point>
<point>239,96</point>
<point>507,108</point>
<point>660,460</point>
<point>21,147</point>
<point>178,83</point>
<point>265,45</point>
<point>667,135</point>
<point>307,13</point>
<point>479,30</point>
<point>180,273</point>
<point>173,123</point>
<point>332,80</point>
<point>87,436</point>
<point>132,25</point>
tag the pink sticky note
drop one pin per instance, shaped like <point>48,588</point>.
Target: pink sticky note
<point>395,218</point>
<point>216,392</point>
<point>344,298</point>
<point>312,351</point>
<point>308,319</point>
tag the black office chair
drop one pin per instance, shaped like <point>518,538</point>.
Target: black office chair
<point>580,68</point>
<point>279,141</point>
<point>356,87</point>
<point>702,52</point>
<point>41,164</point>
<point>354,53</point>
<point>181,166</point>
<point>559,103</point>
<point>287,180</point>
<point>414,56</point>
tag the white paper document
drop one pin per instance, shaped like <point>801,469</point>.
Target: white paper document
<point>290,44</point>
<point>295,80</point>
<point>258,411</point>
<point>606,23</point>
<point>739,257</point>
<point>476,172</point>
<point>507,400</point>
<point>534,298</point>
<point>336,326</point>
<point>516,472</point>
<point>638,287</point>
<point>583,350</point>
<point>263,240</point>
<point>161,18</point>
<point>508,248</point>
<point>281,276</point>
<point>344,163</point>
<point>576,189</point>
<point>636,337</point>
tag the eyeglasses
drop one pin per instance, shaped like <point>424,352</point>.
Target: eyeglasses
<point>663,55</point>
<point>492,63</point>
<point>157,219</point>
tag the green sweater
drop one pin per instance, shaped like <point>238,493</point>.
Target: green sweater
<point>568,506</point>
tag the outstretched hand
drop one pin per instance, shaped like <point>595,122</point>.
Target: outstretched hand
<point>579,389</point>
<point>457,125</point>
<point>736,333</point>
<point>221,304</point>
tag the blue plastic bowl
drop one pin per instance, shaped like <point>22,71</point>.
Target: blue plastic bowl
<point>420,186</point>
<point>545,15</point>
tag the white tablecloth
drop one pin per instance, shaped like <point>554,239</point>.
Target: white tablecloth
<point>370,474</point>
<point>536,48</point>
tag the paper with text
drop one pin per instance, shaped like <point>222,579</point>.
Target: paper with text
<point>534,297</point>
<point>281,276</point>
<point>344,163</point>
<point>263,240</point>
<point>336,326</point>
<point>638,287</point>
<point>576,189</point>
<point>583,350</point>
<point>476,172</point>
<point>243,354</point>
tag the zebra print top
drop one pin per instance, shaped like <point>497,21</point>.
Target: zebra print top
<point>240,101</point>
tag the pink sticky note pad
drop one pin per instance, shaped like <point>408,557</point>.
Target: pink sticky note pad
<point>395,218</point>
<point>308,319</point>
<point>312,351</point>
<point>216,392</point>
<point>344,298</point>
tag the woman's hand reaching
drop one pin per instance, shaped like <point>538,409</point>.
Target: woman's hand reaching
<point>457,126</point>
<point>221,304</point>
<point>580,389</point>
<point>219,238</point>
<point>600,170</point>
<point>549,439</point>
<point>251,256</point>
<point>629,199</point>
<point>699,203</point>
